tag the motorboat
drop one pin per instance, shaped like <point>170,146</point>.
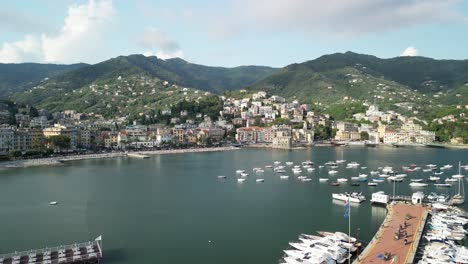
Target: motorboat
<point>351,197</point>
<point>341,180</point>
<point>307,162</point>
<point>355,178</point>
<point>241,180</point>
<point>335,184</point>
<point>289,163</point>
<point>362,175</point>
<point>363,168</point>
<point>268,166</point>
<point>301,177</point>
<point>340,161</point>
<point>447,185</point>
<point>323,179</point>
<point>284,177</point>
<point>221,177</point>
<point>240,171</point>
<point>260,180</point>
<point>438,173</point>
<point>378,180</point>
<point>451,180</point>
<point>53,203</point>
<point>372,184</point>
<point>310,169</point>
<point>418,184</point>
<point>374,172</point>
<point>434,178</point>
<point>333,172</point>
<point>416,180</point>
<point>243,174</point>
<point>306,179</point>
<point>401,175</point>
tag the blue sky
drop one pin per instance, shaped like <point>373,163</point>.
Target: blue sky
<point>231,32</point>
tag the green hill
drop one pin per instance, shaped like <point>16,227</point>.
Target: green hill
<point>19,77</point>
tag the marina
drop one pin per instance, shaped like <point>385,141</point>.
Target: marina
<point>148,205</point>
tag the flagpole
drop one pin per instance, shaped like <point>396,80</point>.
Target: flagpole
<point>349,232</point>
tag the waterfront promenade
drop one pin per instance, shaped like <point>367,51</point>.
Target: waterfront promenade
<point>23,163</point>
<point>385,242</point>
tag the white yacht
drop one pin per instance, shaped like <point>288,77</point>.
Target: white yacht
<point>352,197</point>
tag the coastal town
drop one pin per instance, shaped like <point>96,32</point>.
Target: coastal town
<point>255,119</point>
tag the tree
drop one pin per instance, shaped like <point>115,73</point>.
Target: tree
<point>15,153</point>
<point>364,135</point>
<point>60,142</point>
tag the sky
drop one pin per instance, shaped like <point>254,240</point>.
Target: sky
<point>231,32</point>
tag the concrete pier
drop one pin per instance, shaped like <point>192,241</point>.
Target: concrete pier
<point>387,243</point>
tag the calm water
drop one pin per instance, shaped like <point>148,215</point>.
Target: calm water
<point>166,209</point>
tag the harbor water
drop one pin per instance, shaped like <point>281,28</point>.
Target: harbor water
<point>174,208</point>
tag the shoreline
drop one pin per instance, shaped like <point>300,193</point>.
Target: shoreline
<point>54,161</point>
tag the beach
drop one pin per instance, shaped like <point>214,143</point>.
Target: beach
<point>53,161</point>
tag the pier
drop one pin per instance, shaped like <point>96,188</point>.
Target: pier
<point>137,155</point>
<point>79,253</point>
<point>388,243</point>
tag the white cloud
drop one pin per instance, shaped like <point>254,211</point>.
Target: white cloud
<point>80,38</point>
<point>333,17</point>
<point>410,51</point>
<point>159,44</point>
<point>19,51</point>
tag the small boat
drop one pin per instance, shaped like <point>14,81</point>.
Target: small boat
<point>241,180</point>
<point>260,180</point>
<point>277,162</point>
<point>256,169</point>
<point>289,163</point>
<point>333,172</point>
<point>383,175</point>
<point>418,184</point>
<point>363,168</point>
<point>221,177</point>
<point>442,185</point>
<point>401,175</point>
<point>307,162</point>
<point>451,180</point>
<point>335,184</point>
<point>438,173</point>
<point>306,179</point>
<point>378,180</point>
<point>53,203</point>
<point>394,178</point>
<point>310,169</point>
<point>280,171</point>
<point>240,171</point>
<point>352,165</point>
<point>340,161</point>
<point>416,180</point>
<point>362,175</point>
<point>342,180</point>
<point>284,177</point>
<point>268,166</point>
<point>434,178</point>
<point>355,178</point>
<point>321,166</point>
<point>301,177</point>
<point>323,179</point>
<point>243,174</point>
<point>427,170</point>
<point>372,184</point>
<point>374,172</point>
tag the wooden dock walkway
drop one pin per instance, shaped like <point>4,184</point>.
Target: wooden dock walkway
<point>83,253</point>
<point>385,242</point>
